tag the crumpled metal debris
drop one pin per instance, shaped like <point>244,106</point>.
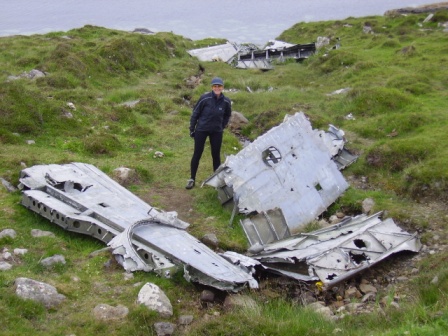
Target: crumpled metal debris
<point>216,53</point>
<point>332,254</point>
<point>80,198</point>
<point>284,179</point>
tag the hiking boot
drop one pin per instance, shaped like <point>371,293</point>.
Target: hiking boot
<point>190,184</point>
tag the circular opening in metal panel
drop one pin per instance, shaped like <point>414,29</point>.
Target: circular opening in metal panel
<point>271,156</point>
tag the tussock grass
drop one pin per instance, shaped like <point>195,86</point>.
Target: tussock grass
<point>397,94</point>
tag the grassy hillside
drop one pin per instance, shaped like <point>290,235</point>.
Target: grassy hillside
<point>113,98</point>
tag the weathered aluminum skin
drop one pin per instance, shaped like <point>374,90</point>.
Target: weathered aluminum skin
<point>283,180</point>
<point>338,252</point>
<point>261,59</point>
<point>221,52</point>
<point>80,198</point>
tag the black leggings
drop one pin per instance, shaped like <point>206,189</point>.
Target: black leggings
<point>199,144</point>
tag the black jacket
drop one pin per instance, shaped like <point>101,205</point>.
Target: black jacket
<point>211,114</point>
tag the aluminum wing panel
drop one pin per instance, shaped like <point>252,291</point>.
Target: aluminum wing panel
<point>80,198</point>
<point>222,52</point>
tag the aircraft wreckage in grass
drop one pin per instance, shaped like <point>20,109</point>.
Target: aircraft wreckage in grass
<point>282,181</point>
<point>249,56</point>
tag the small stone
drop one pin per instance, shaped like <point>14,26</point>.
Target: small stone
<point>36,233</point>
<point>50,261</point>
<point>207,296</point>
<point>185,319</point>
<point>164,328</point>
<point>8,233</point>
<point>7,256</point>
<point>19,251</point>
<point>128,276</point>
<point>367,288</point>
<point>210,240</point>
<point>106,312</point>
<point>4,266</point>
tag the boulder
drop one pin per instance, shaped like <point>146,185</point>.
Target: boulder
<point>38,291</point>
<point>154,298</point>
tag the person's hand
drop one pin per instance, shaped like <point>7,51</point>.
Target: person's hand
<point>192,134</point>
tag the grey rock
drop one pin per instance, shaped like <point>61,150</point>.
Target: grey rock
<point>124,175</point>
<point>6,256</point>
<point>322,41</point>
<point>131,103</point>
<point>351,293</point>
<point>20,251</point>
<point>237,121</point>
<point>9,187</point>
<point>369,297</point>
<point>210,240</point>
<point>50,261</point>
<point>207,296</point>
<point>334,219</point>
<point>367,288</point>
<point>8,233</point>
<point>106,312</point>
<point>154,298</point>
<point>239,301</point>
<point>38,291</point>
<point>142,31</point>
<point>164,328</point>
<point>5,266</point>
<point>128,276</point>
<point>36,233</point>
<point>354,306</point>
<point>367,205</point>
<point>185,319</point>
<point>320,308</point>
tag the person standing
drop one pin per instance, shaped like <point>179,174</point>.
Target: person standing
<point>210,116</point>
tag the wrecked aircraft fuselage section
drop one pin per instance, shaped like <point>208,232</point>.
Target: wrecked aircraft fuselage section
<point>282,181</point>
<point>336,253</point>
<point>249,56</point>
<point>80,198</point>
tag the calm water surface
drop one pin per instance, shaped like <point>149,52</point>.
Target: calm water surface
<point>255,21</point>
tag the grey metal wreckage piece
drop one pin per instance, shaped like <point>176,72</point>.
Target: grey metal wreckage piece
<point>283,181</point>
<point>80,198</point>
<point>249,56</point>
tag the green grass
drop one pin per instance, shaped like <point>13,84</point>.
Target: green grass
<point>398,96</point>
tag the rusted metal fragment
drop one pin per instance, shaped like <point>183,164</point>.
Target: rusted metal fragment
<point>80,198</point>
<point>284,179</point>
